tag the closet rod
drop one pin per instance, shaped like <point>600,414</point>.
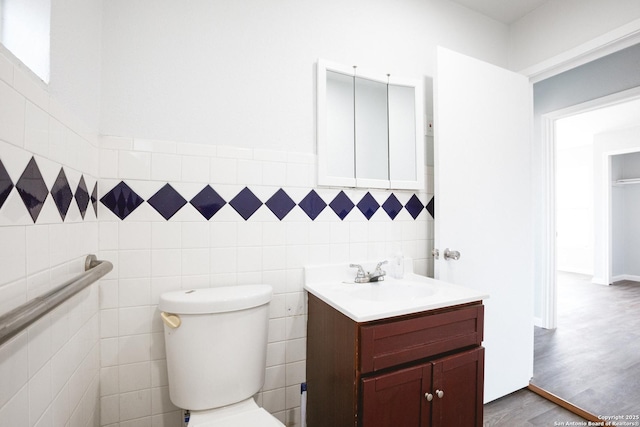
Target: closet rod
<point>19,318</point>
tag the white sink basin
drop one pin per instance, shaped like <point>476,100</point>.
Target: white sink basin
<point>364,302</point>
<point>385,291</point>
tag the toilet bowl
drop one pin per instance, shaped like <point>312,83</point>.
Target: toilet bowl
<point>216,344</point>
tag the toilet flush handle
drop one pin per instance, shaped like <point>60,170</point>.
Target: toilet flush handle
<point>171,320</point>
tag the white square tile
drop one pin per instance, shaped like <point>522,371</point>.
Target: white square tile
<point>296,350</point>
<point>36,130</point>
<point>134,264</point>
<point>274,174</point>
<point>160,401</point>
<point>276,353</point>
<point>277,330</point>
<point>109,379</point>
<point>134,320</point>
<point>160,285</point>
<point>14,367</point>
<point>195,261</point>
<point>274,377</point>
<point>223,171</point>
<point>6,70</point>
<point>134,292</point>
<point>166,167</point>
<point>39,334</point>
<point>60,408</point>
<point>296,373</point>
<point>195,169</point>
<point>109,350</point>
<point>249,259</point>
<point>166,262</point>
<point>223,260</point>
<point>133,348</point>
<point>13,253</point>
<point>39,393</point>
<point>223,234</point>
<point>108,293</point>
<point>134,165</point>
<point>15,412</point>
<point>195,234</point>
<point>166,235</point>
<point>249,172</point>
<point>135,376</point>
<point>159,375</point>
<point>155,145</point>
<point>134,235</point>
<point>295,303</point>
<point>12,115</point>
<point>278,306</point>
<point>274,400</point>
<point>108,323</point>
<point>109,163</point>
<point>33,89</point>
<point>274,257</point>
<point>109,409</point>
<point>296,327</point>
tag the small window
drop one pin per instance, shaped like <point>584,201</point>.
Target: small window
<point>25,32</point>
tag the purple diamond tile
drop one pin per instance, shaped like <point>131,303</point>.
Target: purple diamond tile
<point>32,189</point>
<point>414,206</point>
<point>245,203</point>
<point>167,201</point>
<point>61,193</point>
<point>82,197</point>
<point>208,202</point>
<point>341,205</point>
<point>94,199</point>
<point>280,204</point>
<point>5,184</point>
<point>121,200</point>
<point>312,204</point>
<point>392,206</point>
<point>431,207</point>
<point>368,205</point>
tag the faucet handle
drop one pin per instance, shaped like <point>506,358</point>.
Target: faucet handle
<point>381,263</point>
<point>360,273</point>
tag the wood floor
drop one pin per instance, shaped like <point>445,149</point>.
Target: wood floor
<point>591,360</point>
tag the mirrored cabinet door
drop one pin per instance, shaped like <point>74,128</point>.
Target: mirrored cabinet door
<point>372,133</point>
<point>370,129</point>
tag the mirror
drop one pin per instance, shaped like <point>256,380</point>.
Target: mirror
<point>370,129</point>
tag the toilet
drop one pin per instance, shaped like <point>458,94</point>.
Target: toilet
<point>216,343</point>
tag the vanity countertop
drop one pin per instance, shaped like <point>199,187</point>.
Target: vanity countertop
<point>364,302</point>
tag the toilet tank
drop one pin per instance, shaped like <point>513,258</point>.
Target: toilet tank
<point>216,344</point>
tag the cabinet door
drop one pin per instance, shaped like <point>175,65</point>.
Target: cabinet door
<point>458,389</point>
<point>397,398</point>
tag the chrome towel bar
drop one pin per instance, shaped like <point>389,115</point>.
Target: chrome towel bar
<point>19,318</point>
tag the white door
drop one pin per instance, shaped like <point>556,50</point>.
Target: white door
<point>483,191</point>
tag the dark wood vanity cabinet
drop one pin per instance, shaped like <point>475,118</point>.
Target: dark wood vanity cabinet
<point>424,369</point>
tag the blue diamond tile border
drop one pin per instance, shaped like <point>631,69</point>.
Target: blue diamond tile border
<point>368,205</point>
<point>280,204</point>
<point>5,184</point>
<point>341,205</point>
<point>61,193</point>
<point>312,204</point>
<point>121,200</point>
<point>32,189</point>
<point>245,203</point>
<point>207,202</point>
<point>167,201</point>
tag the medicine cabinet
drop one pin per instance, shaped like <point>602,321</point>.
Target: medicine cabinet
<point>370,129</point>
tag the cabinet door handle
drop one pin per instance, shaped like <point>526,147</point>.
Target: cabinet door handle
<point>428,396</point>
<point>439,393</point>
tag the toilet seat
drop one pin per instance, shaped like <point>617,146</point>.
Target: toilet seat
<point>243,414</point>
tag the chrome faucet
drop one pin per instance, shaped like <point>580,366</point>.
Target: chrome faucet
<point>377,275</point>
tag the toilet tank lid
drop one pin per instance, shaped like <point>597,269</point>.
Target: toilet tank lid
<point>215,300</point>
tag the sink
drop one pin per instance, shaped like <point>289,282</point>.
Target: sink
<point>384,291</point>
<point>364,302</point>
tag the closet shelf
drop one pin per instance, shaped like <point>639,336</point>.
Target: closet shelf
<point>626,181</point>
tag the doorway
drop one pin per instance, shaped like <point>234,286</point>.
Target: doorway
<point>588,146</point>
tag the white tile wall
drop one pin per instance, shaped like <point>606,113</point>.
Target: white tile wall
<point>50,371</point>
<point>99,359</point>
<point>156,256</point>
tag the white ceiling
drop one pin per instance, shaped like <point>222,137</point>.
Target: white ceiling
<point>506,11</point>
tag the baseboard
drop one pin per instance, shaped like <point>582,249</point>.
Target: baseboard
<point>563,403</point>
<point>621,277</point>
